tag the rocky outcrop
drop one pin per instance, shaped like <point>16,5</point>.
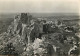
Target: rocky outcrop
<point>35,37</point>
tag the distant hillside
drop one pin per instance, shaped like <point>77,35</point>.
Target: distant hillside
<point>4,16</point>
<point>4,24</point>
<point>7,16</point>
<point>53,14</point>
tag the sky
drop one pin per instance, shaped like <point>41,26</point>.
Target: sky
<point>39,6</point>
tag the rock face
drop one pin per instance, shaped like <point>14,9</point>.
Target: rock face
<point>25,18</point>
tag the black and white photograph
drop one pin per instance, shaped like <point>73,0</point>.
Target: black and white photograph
<point>39,28</point>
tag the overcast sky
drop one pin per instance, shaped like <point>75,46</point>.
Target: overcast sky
<point>41,6</point>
